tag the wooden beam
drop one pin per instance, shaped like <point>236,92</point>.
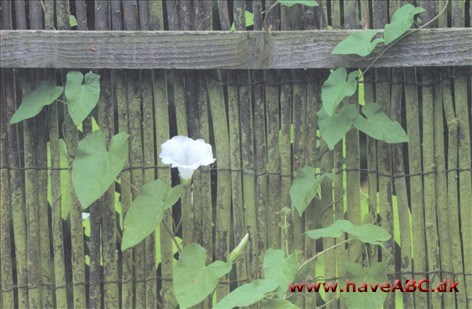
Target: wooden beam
<point>222,50</point>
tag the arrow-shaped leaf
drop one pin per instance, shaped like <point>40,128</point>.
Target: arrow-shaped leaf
<point>358,43</point>
<point>334,128</point>
<point>82,94</point>
<point>402,20</point>
<point>338,86</point>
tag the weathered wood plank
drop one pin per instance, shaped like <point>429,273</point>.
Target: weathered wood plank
<point>221,50</point>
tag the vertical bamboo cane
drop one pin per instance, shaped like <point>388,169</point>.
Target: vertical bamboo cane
<point>223,197</point>
<point>416,183</point>
<point>452,185</point>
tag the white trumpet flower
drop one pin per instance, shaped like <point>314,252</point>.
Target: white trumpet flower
<point>186,155</point>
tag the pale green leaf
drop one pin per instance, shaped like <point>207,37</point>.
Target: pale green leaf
<point>82,94</point>
<point>334,128</point>
<point>369,233</point>
<point>338,86</point>
<point>304,187</point>
<point>280,269</point>
<point>249,20</point>
<point>335,230</point>
<point>193,281</point>
<point>94,168</point>
<point>277,304</point>
<point>402,20</point>
<point>290,3</point>
<point>72,21</point>
<point>33,102</point>
<point>377,125</point>
<point>357,274</point>
<point>360,43</point>
<point>248,294</point>
<point>147,211</point>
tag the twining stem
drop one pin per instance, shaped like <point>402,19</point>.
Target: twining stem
<point>322,252</point>
<point>163,222</point>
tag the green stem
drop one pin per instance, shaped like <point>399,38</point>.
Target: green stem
<point>321,252</point>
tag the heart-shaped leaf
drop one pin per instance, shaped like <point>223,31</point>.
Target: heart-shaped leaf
<point>147,211</point>
<point>335,230</point>
<point>193,281</point>
<point>33,102</point>
<point>369,233</point>
<point>358,43</point>
<point>338,86</point>
<point>248,294</point>
<point>402,20</point>
<point>82,94</point>
<point>334,128</point>
<point>369,275</point>
<point>290,3</point>
<point>280,269</point>
<point>94,168</point>
<point>305,186</point>
<point>377,125</point>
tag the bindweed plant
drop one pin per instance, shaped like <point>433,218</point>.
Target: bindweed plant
<point>97,166</point>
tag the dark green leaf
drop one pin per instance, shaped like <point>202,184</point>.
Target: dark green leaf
<point>338,86</point>
<point>193,281</point>
<point>280,269</point>
<point>291,3</point>
<point>33,102</point>
<point>334,128</point>
<point>248,294</point>
<point>94,169</point>
<point>357,274</point>
<point>335,230</point>
<point>401,22</point>
<point>147,211</point>
<point>81,97</point>
<point>304,187</point>
<point>377,125</point>
<point>358,43</point>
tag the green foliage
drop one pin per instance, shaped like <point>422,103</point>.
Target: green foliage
<point>64,177</point>
<point>239,250</point>
<point>338,86</point>
<point>377,125</point>
<point>367,233</point>
<point>33,102</point>
<point>72,21</point>
<point>290,3</point>
<point>193,281</point>
<point>360,43</point>
<point>94,168</point>
<point>249,20</point>
<point>305,186</point>
<point>82,94</point>
<point>334,128</point>
<point>277,304</point>
<point>147,211</point>
<point>402,20</point>
<point>280,269</point>
<point>356,273</point>
<point>248,294</point>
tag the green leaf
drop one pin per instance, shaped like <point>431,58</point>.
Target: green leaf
<point>335,230</point>
<point>334,128</point>
<point>72,21</point>
<point>402,20</point>
<point>249,19</point>
<point>377,125</point>
<point>280,269</point>
<point>239,250</point>
<point>290,3</point>
<point>277,304</point>
<point>248,294</point>
<point>357,274</point>
<point>369,233</point>
<point>338,86</point>
<point>94,169</point>
<point>147,211</point>
<point>358,43</point>
<point>304,187</point>
<point>64,176</point>
<point>81,97</point>
<point>193,281</point>
<point>33,102</point>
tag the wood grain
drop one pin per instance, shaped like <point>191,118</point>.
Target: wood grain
<point>221,50</point>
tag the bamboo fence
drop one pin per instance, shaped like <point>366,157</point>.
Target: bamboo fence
<point>262,125</point>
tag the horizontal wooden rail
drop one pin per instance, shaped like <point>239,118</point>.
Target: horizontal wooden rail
<point>222,50</point>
